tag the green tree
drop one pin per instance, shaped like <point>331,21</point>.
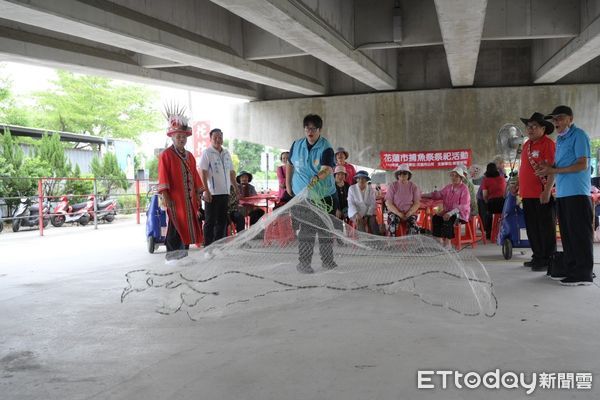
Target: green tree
<point>152,166</point>
<point>109,174</point>
<point>26,183</point>
<point>6,172</point>
<point>10,112</point>
<point>11,151</point>
<point>51,150</point>
<point>79,187</point>
<point>249,155</point>
<point>90,104</point>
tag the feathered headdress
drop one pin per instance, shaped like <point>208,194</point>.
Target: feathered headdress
<point>178,122</point>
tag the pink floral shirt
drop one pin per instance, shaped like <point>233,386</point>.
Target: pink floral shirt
<point>455,197</point>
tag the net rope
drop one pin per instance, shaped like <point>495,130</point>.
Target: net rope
<point>301,252</point>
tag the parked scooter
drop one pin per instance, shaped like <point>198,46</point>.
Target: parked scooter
<point>65,212</point>
<point>27,214</point>
<point>106,209</point>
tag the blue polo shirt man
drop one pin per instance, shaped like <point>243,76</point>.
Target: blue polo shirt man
<point>575,213</point>
<point>310,164</point>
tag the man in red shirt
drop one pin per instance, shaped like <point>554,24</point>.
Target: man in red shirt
<point>538,204</point>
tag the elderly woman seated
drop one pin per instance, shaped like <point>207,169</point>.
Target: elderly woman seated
<point>238,213</point>
<point>341,188</point>
<point>402,200</point>
<point>362,204</point>
<point>456,206</point>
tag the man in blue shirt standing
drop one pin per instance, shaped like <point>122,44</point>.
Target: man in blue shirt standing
<point>575,214</point>
<point>310,164</point>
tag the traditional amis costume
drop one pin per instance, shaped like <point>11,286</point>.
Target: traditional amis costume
<point>178,176</point>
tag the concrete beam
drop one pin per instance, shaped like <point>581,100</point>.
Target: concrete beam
<point>573,55</point>
<point>504,20</point>
<point>262,45</point>
<point>298,26</point>
<point>147,61</point>
<point>133,33</point>
<point>461,23</point>
<point>31,48</point>
<point>531,19</point>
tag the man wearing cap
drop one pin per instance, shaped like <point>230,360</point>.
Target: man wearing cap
<point>538,204</point>
<point>310,164</point>
<point>218,173</point>
<point>402,200</point>
<point>571,169</point>
<point>341,157</point>
<point>180,186</point>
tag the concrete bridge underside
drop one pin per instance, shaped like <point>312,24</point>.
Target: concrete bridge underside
<point>421,67</point>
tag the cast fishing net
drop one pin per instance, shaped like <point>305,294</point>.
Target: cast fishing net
<point>265,266</point>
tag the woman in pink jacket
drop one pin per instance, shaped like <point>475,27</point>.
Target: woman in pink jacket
<point>456,207</point>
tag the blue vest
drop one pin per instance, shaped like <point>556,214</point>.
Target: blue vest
<point>569,147</point>
<point>307,164</point>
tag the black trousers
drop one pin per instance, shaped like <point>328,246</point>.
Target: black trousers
<point>173,240</point>
<point>540,222</point>
<point>575,218</point>
<point>215,224</point>
<point>311,225</point>
<point>493,206</point>
<point>238,219</point>
<point>441,228</point>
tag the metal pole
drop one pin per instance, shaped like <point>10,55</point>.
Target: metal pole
<point>137,201</point>
<point>95,205</point>
<point>41,206</point>
<point>268,154</point>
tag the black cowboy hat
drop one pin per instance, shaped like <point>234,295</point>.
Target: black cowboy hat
<point>539,118</point>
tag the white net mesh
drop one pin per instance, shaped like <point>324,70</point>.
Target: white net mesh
<point>299,250</point>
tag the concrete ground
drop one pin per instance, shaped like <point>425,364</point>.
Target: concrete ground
<point>65,335</point>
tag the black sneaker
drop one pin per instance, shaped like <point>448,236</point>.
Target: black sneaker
<point>575,282</point>
<point>539,267</point>
<point>529,263</point>
<point>330,265</point>
<point>304,269</point>
<point>558,277</point>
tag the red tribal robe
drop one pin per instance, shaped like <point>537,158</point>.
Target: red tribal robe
<point>178,175</point>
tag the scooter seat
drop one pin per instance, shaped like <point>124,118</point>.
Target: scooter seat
<point>105,203</point>
<point>79,206</point>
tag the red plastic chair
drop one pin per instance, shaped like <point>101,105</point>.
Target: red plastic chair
<point>461,240</point>
<point>280,231</point>
<point>496,223</point>
<point>476,222</point>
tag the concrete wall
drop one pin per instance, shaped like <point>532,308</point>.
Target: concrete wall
<point>419,120</point>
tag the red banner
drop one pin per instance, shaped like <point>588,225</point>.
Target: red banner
<point>430,159</point>
<point>200,133</point>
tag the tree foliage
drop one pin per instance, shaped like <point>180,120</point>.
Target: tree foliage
<point>248,154</point>
<point>108,173</point>
<point>10,112</point>
<point>79,187</point>
<point>11,151</point>
<point>152,166</point>
<point>96,105</point>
